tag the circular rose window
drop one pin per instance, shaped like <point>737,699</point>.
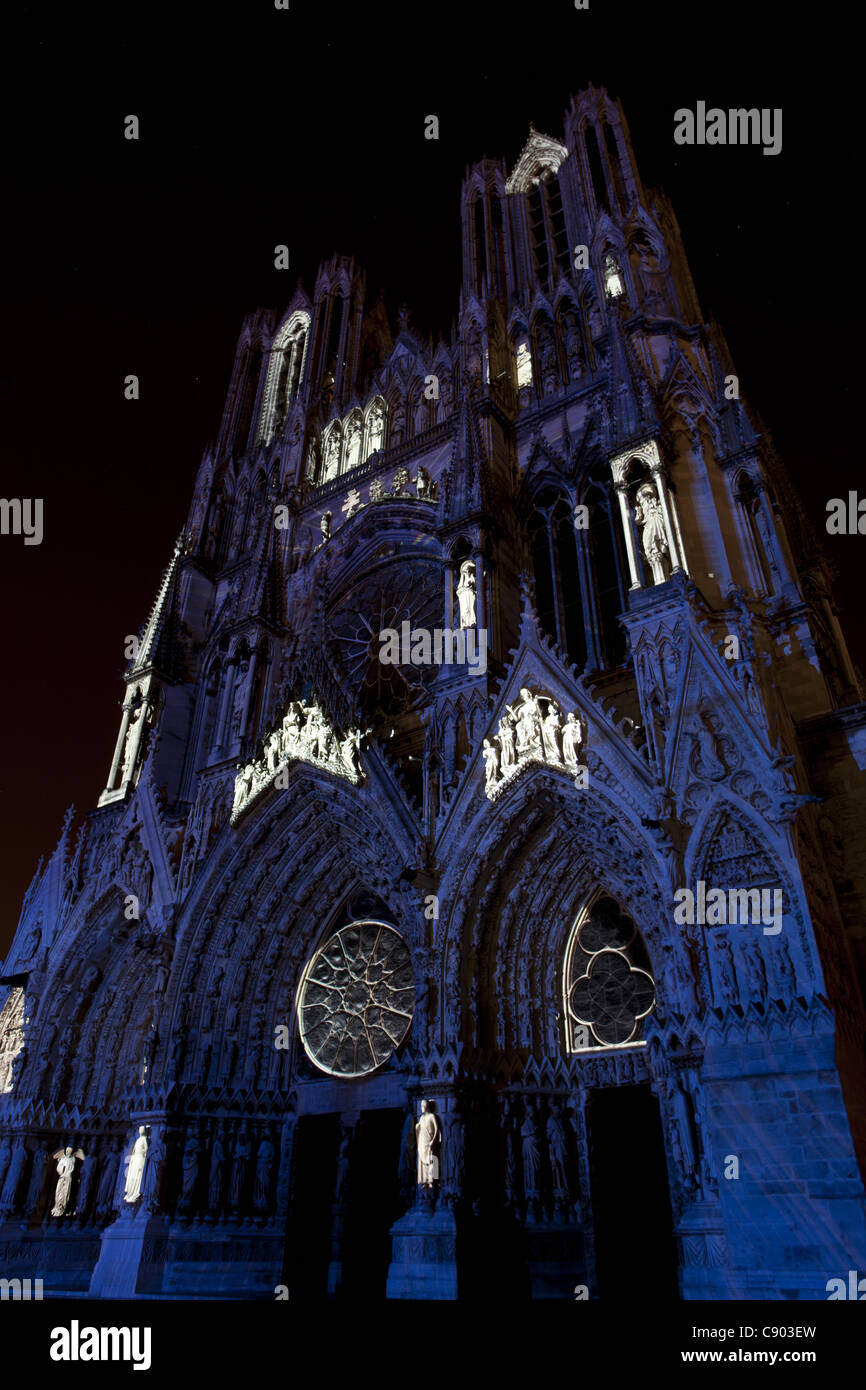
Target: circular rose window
<point>356,999</point>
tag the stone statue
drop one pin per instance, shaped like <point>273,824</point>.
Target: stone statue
<point>530,1151</point>
<point>491,763</point>
<point>326,526</point>
<point>243,1149</point>
<point>466,593</point>
<point>65,1169</point>
<point>506,743</point>
<point>190,1161</point>
<point>558,1152</point>
<point>528,721</point>
<point>217,1171</point>
<point>549,734</point>
<point>13,1176</point>
<point>107,1178</point>
<point>350,748</point>
<point>648,514</point>
<point>135,1167</point>
<point>153,1171</point>
<point>422,482</point>
<point>572,735</point>
<point>375,430</point>
<point>332,456</point>
<point>427,1133</point>
<point>264,1163</point>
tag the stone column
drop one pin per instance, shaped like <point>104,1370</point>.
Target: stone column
<point>629,538</point>
<point>449,596</point>
<point>480,600</point>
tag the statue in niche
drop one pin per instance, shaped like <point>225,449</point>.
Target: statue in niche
<point>427,1134</point>
<point>353,444</point>
<point>135,1167</point>
<point>242,1153</point>
<point>264,1164</point>
<point>189,1167</point>
<point>557,1149</point>
<point>649,515</point>
<point>785,972</point>
<point>491,763</point>
<point>407,1154</point>
<point>332,456</point>
<point>375,429</point>
<point>13,1175</point>
<point>530,1151</point>
<point>753,956</point>
<point>65,1169</point>
<point>466,593</point>
<point>153,1171</point>
<point>107,1177</point>
<point>131,735</point>
<point>88,1173</point>
<point>712,765</point>
<point>550,729</point>
<point>455,1151</point>
<point>727,970</point>
<point>326,526</point>
<point>422,482</point>
<point>217,1171</point>
<point>682,1137</point>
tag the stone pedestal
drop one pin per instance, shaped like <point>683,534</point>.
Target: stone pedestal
<point>703,1255</point>
<point>132,1258</point>
<point>424,1255</point>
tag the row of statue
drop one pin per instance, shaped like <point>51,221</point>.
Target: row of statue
<point>531,730</point>
<point>426,490</point>
<point>213,1175</point>
<point>304,734</point>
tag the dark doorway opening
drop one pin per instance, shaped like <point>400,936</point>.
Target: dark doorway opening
<point>308,1234</point>
<point>634,1241</point>
<point>373,1205</point>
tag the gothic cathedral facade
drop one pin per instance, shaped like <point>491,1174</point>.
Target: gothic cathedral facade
<point>492,743</point>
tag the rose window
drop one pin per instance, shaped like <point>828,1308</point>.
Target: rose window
<point>357,999</point>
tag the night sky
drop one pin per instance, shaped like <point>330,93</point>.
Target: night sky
<point>306,127</point>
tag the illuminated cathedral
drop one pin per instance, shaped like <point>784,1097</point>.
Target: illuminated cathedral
<point>366,976</point>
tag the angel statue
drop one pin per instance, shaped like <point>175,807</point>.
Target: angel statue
<point>65,1168</point>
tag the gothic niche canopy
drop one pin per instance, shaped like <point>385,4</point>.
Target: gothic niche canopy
<point>303,735</point>
<point>608,985</point>
<point>531,731</point>
<point>356,1001</point>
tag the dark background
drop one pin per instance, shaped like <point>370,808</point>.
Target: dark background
<point>306,127</point>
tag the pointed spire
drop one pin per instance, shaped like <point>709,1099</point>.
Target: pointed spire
<point>158,645</point>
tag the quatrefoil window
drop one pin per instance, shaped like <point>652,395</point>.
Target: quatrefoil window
<point>609,988</point>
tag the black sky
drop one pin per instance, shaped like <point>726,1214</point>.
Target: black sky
<point>306,127</point>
